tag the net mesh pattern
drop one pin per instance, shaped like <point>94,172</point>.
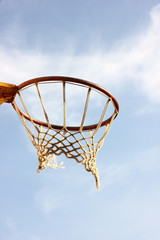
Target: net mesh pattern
<point>79,145</point>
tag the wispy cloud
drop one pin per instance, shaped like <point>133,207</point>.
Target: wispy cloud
<point>49,200</point>
<point>123,172</point>
<point>136,59</point>
<point>15,233</point>
<point>12,229</point>
<point>114,174</point>
<point>11,225</point>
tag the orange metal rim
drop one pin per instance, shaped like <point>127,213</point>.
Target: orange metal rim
<point>69,80</point>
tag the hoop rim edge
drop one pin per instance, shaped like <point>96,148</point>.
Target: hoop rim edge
<point>72,80</point>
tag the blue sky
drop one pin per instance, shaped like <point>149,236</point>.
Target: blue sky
<point>117,45</point>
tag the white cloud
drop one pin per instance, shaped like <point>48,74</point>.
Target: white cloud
<point>122,172</point>
<point>14,232</point>
<point>148,160</point>
<point>35,237</point>
<point>135,59</point>
<point>12,229</point>
<point>48,200</point>
<point>114,174</point>
<point>11,225</point>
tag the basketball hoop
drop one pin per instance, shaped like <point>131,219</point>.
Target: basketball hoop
<point>75,141</point>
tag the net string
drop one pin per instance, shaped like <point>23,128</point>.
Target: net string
<point>40,98</point>
<point>64,105</point>
<point>50,142</point>
<point>102,117</point>
<point>85,109</point>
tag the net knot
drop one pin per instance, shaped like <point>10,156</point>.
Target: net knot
<point>47,160</point>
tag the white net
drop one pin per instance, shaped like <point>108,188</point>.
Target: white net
<point>75,144</point>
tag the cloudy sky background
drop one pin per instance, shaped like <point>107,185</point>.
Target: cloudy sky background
<point>117,45</point>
